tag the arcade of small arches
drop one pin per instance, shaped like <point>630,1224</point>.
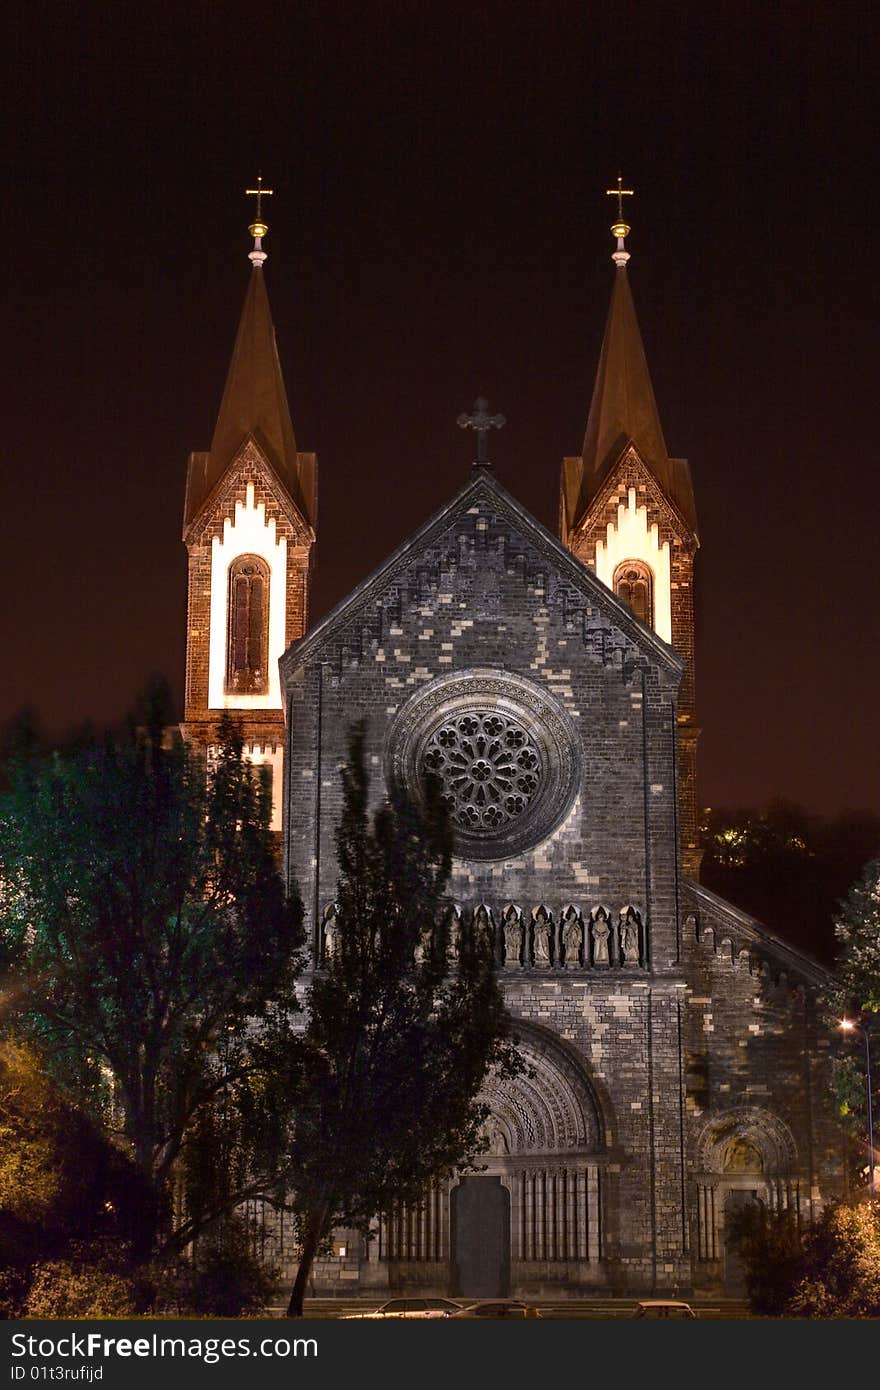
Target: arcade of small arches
<point>573,938</point>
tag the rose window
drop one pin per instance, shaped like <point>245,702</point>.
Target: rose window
<point>501,748</point>
<point>488,767</point>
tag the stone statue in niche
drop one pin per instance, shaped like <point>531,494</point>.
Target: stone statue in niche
<point>453,945</point>
<point>330,932</point>
<point>422,945</point>
<point>512,937</point>
<point>496,1137</point>
<point>742,1157</point>
<point>629,937</point>
<point>571,938</point>
<point>600,932</point>
<point>483,926</point>
<point>542,937</point>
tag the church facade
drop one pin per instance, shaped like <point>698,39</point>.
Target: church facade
<point>674,1045</point>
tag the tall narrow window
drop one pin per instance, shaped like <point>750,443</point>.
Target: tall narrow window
<point>247,642</point>
<point>633,584</point>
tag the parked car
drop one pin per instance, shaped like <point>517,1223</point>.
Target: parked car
<point>412,1308</point>
<point>663,1308</point>
<point>498,1308</point>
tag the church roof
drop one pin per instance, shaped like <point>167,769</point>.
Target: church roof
<point>483,483</point>
<point>254,404</point>
<point>742,925</point>
<point>624,411</point>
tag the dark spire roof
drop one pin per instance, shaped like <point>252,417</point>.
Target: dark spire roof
<point>623,411</point>
<point>254,404</point>
<point>623,406</point>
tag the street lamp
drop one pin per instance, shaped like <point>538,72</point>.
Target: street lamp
<point>848,1025</point>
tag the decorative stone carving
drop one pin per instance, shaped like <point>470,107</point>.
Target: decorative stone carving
<point>513,936</point>
<point>329,933</point>
<point>628,932</point>
<point>541,933</point>
<point>484,926</point>
<point>504,752</point>
<point>572,936</point>
<point>488,767</point>
<point>549,1108</point>
<point>453,924</point>
<point>600,932</point>
<point>743,1133</point>
<point>496,1138</point>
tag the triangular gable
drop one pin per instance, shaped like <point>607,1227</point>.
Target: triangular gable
<point>644,642</point>
<point>630,456</point>
<point>250,458</point>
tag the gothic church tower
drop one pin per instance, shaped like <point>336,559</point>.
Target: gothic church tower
<point>627,511</point>
<point>249,519</point>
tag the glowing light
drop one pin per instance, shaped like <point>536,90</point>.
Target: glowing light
<point>633,539</point>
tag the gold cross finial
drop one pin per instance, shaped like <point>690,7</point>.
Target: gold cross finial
<point>258,228</point>
<point>619,193</point>
<point>259,193</point>
<point>620,228</point>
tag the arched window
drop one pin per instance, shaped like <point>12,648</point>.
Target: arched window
<point>247,641</point>
<point>634,586</point>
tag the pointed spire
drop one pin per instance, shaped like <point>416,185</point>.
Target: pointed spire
<point>623,409</point>
<point>254,403</point>
<point>623,405</point>
<point>254,399</point>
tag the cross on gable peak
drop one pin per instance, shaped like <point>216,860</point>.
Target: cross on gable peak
<point>480,421</point>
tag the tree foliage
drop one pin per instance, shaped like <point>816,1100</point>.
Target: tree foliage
<point>150,951</point>
<point>66,1193</point>
<point>397,1044</point>
<point>771,1247</point>
<point>829,1270</point>
<point>854,994</point>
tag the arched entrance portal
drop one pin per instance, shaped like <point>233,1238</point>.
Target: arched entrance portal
<point>535,1209</point>
<point>545,1148</point>
<point>744,1157</point>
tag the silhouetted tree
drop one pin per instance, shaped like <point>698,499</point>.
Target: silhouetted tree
<point>149,950</point>
<point>398,1041</point>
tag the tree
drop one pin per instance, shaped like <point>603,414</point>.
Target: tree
<point>64,1188</point>
<point>397,1044</point>
<point>829,1270</point>
<point>841,1269</point>
<point>150,951</point>
<point>855,994</point>
<point>772,1251</point>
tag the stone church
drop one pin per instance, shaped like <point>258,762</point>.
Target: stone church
<point>674,1045</point>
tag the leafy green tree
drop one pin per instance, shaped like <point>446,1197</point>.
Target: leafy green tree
<point>397,1043</point>
<point>149,949</point>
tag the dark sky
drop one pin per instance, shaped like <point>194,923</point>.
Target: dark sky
<point>439,228</point>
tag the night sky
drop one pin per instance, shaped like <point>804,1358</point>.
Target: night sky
<point>439,229</point>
